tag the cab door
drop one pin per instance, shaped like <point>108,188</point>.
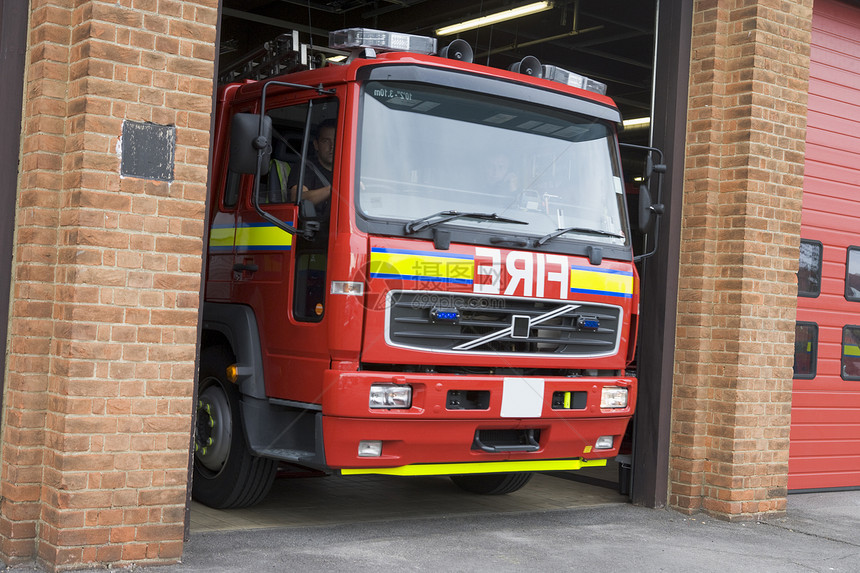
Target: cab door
<point>284,276</point>
<point>222,236</point>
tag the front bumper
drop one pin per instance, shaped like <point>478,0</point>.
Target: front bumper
<point>431,432</point>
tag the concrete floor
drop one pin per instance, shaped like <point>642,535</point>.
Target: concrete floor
<point>335,500</point>
<point>820,533</point>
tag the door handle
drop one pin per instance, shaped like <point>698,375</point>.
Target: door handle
<point>245,268</point>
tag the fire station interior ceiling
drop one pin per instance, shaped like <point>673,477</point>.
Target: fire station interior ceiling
<point>609,40</point>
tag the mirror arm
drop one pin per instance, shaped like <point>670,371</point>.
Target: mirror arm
<point>260,144</point>
<point>306,135</point>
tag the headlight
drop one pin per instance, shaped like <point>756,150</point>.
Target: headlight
<point>603,443</point>
<point>613,397</point>
<point>390,396</point>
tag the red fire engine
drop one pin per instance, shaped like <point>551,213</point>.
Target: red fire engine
<point>417,266</point>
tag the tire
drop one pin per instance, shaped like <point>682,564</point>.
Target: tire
<point>492,484</point>
<point>226,474</point>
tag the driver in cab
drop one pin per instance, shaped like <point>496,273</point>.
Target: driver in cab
<point>318,174</point>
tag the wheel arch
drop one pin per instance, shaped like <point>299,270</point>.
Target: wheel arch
<point>235,327</point>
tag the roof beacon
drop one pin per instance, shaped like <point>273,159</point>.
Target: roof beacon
<point>557,74</point>
<point>355,38</point>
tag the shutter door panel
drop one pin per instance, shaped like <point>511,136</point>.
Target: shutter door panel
<point>825,415</point>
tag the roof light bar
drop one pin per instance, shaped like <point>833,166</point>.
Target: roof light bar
<point>354,38</point>
<point>572,79</point>
<point>489,19</point>
<point>366,38</point>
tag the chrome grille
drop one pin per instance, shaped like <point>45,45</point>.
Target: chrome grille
<point>497,325</point>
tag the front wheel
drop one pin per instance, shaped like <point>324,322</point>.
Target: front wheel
<point>226,474</point>
<point>492,484</point>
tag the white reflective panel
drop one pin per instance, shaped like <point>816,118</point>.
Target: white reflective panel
<point>522,397</point>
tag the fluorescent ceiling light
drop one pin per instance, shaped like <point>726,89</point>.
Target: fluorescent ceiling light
<point>494,18</point>
<point>638,122</point>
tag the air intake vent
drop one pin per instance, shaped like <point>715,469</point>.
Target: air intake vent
<point>499,325</point>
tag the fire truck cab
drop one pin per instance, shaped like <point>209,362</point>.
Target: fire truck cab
<point>417,265</point>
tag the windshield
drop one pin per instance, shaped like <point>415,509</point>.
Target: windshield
<point>426,149</point>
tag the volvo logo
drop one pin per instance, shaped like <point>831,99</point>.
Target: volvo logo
<point>520,326</point>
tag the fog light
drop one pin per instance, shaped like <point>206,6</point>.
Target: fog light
<point>390,396</point>
<point>369,448</point>
<point>613,397</point>
<point>603,443</point>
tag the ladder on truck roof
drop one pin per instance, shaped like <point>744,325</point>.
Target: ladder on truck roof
<point>283,55</point>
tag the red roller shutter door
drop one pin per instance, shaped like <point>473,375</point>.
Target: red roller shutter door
<point>825,418</point>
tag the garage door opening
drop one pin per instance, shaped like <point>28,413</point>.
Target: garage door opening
<point>586,37</point>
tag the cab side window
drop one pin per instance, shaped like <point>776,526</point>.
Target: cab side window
<point>317,176</point>
<point>274,184</point>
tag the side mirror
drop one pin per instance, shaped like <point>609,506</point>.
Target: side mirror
<point>651,168</point>
<point>246,143</point>
<point>647,210</point>
<point>646,221</point>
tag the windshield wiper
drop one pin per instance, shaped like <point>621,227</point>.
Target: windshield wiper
<point>444,216</point>
<point>554,234</point>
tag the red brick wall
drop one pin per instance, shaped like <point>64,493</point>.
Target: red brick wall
<point>105,285</point>
<point>740,235</point>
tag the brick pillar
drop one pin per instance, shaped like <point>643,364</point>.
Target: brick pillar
<point>739,249</point>
<point>105,285</point>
